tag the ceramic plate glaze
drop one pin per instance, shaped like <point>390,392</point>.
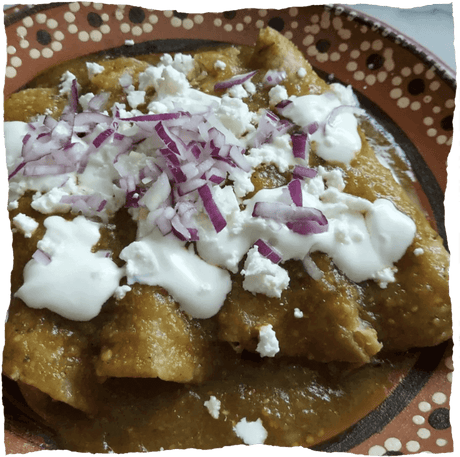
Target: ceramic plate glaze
<point>404,87</point>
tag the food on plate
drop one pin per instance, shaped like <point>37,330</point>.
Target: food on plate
<point>208,242</point>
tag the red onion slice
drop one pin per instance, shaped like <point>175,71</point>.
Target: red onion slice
<point>299,145</point>
<point>41,257</point>
<point>268,251</point>
<point>301,220</point>
<point>295,190</point>
<point>218,221</point>
<point>234,81</point>
<point>300,172</point>
<point>274,77</point>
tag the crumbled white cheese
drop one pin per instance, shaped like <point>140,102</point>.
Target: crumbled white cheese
<point>277,94</point>
<point>251,432</point>
<point>250,87</point>
<point>268,345</point>
<point>219,65</point>
<point>237,91</point>
<point>121,291</point>
<point>213,405</point>
<point>298,313</point>
<point>65,85</point>
<point>301,72</point>
<point>135,98</point>
<point>25,224</point>
<point>263,276</point>
<point>129,42</point>
<point>85,99</point>
<point>94,69</point>
<point>418,251</point>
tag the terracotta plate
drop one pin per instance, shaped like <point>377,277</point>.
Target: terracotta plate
<point>398,81</point>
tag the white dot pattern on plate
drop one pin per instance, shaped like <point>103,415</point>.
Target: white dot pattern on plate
<point>424,406</point>
<point>413,446</point>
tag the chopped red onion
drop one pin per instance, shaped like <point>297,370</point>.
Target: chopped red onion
<point>302,220</point>
<point>41,257</point>
<point>295,190</point>
<point>274,77</point>
<point>218,221</point>
<point>234,81</point>
<point>268,251</point>
<point>299,145</point>
<point>303,172</point>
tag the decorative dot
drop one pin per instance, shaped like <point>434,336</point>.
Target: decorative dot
<point>74,7</point>
<point>179,15</point>
<point>10,72</point>
<point>294,24</point>
<point>147,27</point>
<point>428,121</point>
<point>335,56</point>
<point>153,19</point>
<point>359,75</point>
<point>228,27</point>
<point>396,81</point>
<point>94,20</point>
<point>406,71</point>
<point>322,57</point>
<point>438,397</point>
<point>314,19</point>
<point>423,433</point>
<point>413,446</point>
<point>439,419</point>
<point>69,17</point>
<point>345,34</point>
<point>418,68</point>
<point>403,102</point>
<point>34,53</point>
<point>247,19</point>
<point>396,93</point>
<point>343,47</point>
<point>377,45</point>
<point>11,50</point>
<point>441,139</point>
<point>450,104</point>
<point>58,35</point>
<point>43,37</point>
<point>337,23</point>
<point>40,18</point>
<point>293,12</point>
<point>16,61</point>
<point>371,79</point>
<point>52,23</point>
<point>431,132</point>
<point>21,31</point>
<point>352,66</point>
<point>262,13</point>
<point>323,45</point>
<point>217,22</point>
<point>416,86</point>
<point>28,21</point>
<point>229,15</point>
<point>137,31</point>
<point>435,85</point>
<point>315,29</point>
<point>354,54</point>
<point>95,35</point>
<point>136,15</point>
<point>86,3</point>
<point>47,53</point>
<point>312,51</point>
<point>105,17</point>
<point>72,28</point>
<point>377,450</point>
<point>449,143</point>
<point>125,28</point>
<point>176,22</point>
<point>430,74</point>
<point>449,377</point>
<point>119,14</point>
<point>375,62</point>
<point>98,6</point>
<point>448,362</point>
<point>363,29</point>
<point>56,46</point>
<point>441,442</point>
<point>168,13</point>
<point>365,45</point>
<point>418,420</point>
<point>260,24</point>
<point>105,28</point>
<point>239,27</point>
<point>393,444</point>
<point>427,98</point>
<point>276,23</point>
<point>308,40</point>
<point>288,35</point>
<point>24,44</point>
<point>83,36</point>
